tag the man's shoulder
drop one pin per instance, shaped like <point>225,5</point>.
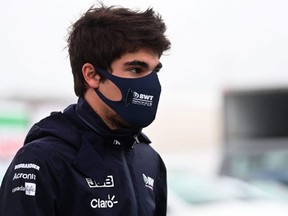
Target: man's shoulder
<point>43,147</point>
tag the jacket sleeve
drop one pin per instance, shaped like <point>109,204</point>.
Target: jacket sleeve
<point>161,193</point>
<point>29,186</point>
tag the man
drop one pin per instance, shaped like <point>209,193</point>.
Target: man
<point>92,159</point>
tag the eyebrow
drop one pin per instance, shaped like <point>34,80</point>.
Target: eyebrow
<point>137,63</point>
<point>142,64</point>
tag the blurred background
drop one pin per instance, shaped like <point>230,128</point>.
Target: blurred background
<point>222,124</point>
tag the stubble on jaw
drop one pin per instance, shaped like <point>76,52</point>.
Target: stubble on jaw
<point>115,121</point>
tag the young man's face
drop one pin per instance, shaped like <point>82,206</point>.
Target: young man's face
<point>130,65</point>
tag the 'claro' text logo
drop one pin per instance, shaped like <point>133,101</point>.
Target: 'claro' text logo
<point>103,203</point>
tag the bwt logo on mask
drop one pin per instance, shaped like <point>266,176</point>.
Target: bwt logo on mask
<point>142,99</point>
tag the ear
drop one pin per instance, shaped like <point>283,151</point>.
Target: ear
<point>91,77</point>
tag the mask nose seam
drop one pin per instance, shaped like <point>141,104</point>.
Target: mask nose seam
<point>129,97</point>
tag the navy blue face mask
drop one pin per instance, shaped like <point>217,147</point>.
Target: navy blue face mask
<point>140,97</point>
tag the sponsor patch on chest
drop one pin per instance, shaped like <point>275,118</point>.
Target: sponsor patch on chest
<point>109,182</point>
<point>148,181</point>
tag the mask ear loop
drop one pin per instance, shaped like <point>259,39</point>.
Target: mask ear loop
<point>109,76</point>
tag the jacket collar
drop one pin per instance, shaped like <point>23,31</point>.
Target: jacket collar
<point>96,136</point>
<point>119,137</point>
<point>86,161</point>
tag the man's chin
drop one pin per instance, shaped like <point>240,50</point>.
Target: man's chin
<point>119,123</point>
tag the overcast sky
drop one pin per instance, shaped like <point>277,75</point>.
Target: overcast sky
<point>216,44</point>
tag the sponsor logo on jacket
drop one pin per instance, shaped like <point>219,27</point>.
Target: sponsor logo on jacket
<point>104,203</point>
<point>109,182</point>
<point>29,176</point>
<point>29,189</point>
<point>148,181</point>
<point>27,166</point>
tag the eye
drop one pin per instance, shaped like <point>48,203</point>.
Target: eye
<point>136,70</point>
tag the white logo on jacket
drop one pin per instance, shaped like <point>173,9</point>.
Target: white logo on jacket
<point>103,203</point>
<point>149,182</point>
<point>28,188</point>
<point>109,182</point>
<point>116,142</point>
<point>29,176</point>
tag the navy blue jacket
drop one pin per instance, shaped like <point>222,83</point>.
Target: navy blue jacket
<point>72,164</point>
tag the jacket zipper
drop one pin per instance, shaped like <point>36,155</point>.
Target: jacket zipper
<point>130,183</point>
